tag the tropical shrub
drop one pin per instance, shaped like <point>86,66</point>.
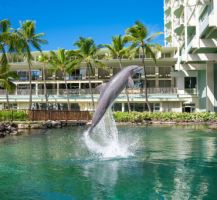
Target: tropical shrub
<point>13,115</point>
<point>136,117</point>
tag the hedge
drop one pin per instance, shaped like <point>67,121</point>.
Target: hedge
<point>137,117</point>
<point>13,115</point>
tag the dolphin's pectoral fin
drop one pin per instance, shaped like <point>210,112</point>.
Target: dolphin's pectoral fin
<point>101,87</point>
<point>130,82</point>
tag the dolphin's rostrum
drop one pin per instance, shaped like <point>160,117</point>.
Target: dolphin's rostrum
<point>109,91</point>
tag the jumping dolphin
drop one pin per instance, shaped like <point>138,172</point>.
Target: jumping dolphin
<point>109,91</point>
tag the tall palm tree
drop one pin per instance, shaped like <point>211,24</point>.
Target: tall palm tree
<point>138,35</point>
<point>29,40</point>
<point>118,50</point>
<point>62,61</point>
<point>6,81</point>
<point>44,60</point>
<point>5,37</point>
<point>87,53</point>
<point>6,45</point>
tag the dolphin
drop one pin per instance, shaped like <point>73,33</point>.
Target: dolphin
<point>109,91</point>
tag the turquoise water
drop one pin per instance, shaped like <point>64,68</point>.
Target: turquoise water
<point>167,163</point>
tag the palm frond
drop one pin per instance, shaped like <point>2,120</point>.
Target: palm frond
<point>153,36</point>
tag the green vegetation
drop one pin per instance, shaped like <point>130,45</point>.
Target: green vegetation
<point>13,115</point>
<point>118,50</point>
<point>61,61</point>
<point>87,53</point>
<point>27,39</point>
<point>138,117</point>
<point>18,42</point>
<point>138,36</point>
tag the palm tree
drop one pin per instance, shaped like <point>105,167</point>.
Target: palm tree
<point>5,37</point>
<point>6,81</point>
<point>138,35</point>
<point>118,50</point>
<point>87,53</point>
<point>28,39</point>
<point>6,45</point>
<point>62,61</point>
<point>44,60</point>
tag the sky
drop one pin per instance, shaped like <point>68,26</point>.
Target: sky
<point>64,21</point>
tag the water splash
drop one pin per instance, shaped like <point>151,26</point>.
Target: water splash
<point>104,140</point>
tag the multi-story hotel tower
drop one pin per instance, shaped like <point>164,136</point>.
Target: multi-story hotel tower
<point>191,26</point>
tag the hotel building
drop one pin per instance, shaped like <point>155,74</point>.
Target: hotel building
<point>182,80</point>
<point>191,26</point>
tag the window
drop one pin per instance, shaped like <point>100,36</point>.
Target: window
<point>36,74</point>
<point>150,83</point>
<point>164,71</point>
<point>117,107</point>
<point>166,55</point>
<point>188,107</point>
<point>150,71</point>
<point>23,75</point>
<point>190,82</point>
<point>157,107</point>
<point>165,83</point>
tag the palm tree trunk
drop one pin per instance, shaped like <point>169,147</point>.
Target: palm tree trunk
<point>90,87</point>
<point>67,91</point>
<point>126,91</point>
<point>145,79</point>
<point>45,88</point>
<point>7,98</point>
<point>30,85</point>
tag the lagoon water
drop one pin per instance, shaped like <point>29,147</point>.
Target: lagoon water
<point>164,163</point>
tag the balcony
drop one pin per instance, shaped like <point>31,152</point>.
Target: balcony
<point>179,8</point>
<point>168,24</point>
<point>55,93</point>
<point>179,28</point>
<point>206,20</point>
<point>167,11</point>
<point>192,45</point>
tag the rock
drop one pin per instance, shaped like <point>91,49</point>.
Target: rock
<point>14,133</point>
<point>2,134</point>
<point>56,124</point>
<point>36,126</point>
<point>23,126</point>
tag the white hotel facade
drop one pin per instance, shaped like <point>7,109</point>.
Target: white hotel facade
<point>191,26</point>
<point>182,80</point>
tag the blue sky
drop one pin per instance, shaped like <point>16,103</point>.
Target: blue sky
<point>63,21</point>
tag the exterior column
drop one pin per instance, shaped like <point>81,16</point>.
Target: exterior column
<point>161,107</point>
<point>58,89</point>
<point>156,77</point>
<point>215,11</point>
<point>36,88</point>
<point>122,107</point>
<point>16,89</point>
<point>185,28</point>
<point>96,72</point>
<point>210,98</point>
<point>79,87</point>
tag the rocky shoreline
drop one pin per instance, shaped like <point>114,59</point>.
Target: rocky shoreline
<point>8,128</point>
<point>16,128</point>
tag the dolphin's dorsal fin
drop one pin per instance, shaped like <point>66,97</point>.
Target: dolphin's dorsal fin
<point>101,87</point>
<point>130,82</point>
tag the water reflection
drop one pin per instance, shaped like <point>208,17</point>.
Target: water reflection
<point>103,176</point>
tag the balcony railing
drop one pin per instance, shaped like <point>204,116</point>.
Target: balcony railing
<point>77,92</point>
